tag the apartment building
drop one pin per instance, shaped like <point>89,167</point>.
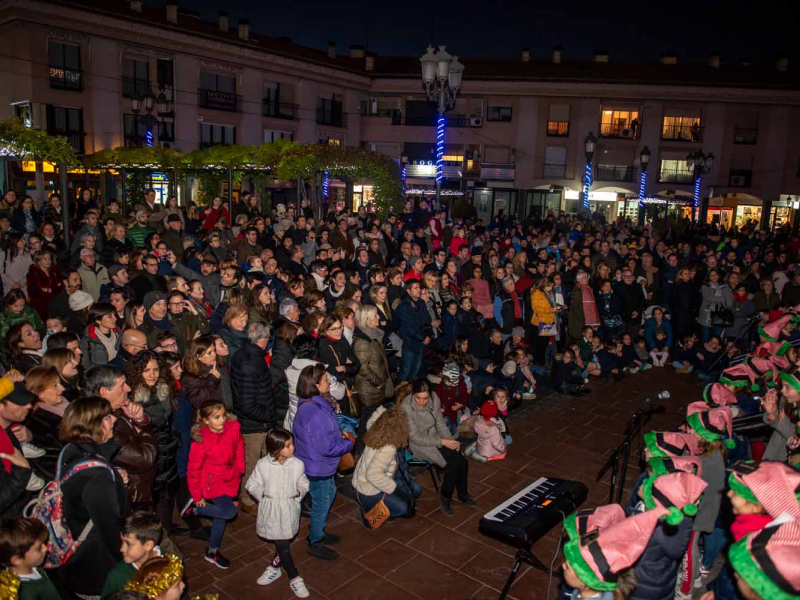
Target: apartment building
<point>109,73</point>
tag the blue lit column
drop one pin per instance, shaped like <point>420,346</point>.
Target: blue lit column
<point>326,181</point>
<point>439,160</point>
<point>589,146</point>
<point>700,163</point>
<point>644,160</point>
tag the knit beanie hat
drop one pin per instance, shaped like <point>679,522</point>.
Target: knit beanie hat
<point>666,444</point>
<point>79,300</point>
<point>598,559</point>
<point>676,492</point>
<point>792,377</point>
<point>509,368</point>
<point>763,368</point>
<point>772,332</point>
<point>677,464</point>
<point>152,297</point>
<point>711,424</point>
<point>585,521</point>
<point>739,376</point>
<point>489,410</point>
<point>773,485</point>
<point>716,394</point>
<point>767,561</point>
<point>451,373</point>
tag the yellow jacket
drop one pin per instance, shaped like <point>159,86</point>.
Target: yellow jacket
<point>542,310</point>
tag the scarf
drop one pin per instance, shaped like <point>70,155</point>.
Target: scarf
<point>740,298</point>
<point>590,314</point>
<point>517,305</point>
<point>163,325</point>
<point>376,335</point>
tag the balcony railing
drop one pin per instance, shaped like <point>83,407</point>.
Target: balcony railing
<point>613,173</point>
<point>433,121</point>
<point>66,79</point>
<point>217,100</point>
<point>619,131</point>
<point>682,133</point>
<point>555,171</point>
<point>672,176</point>
<point>74,139</point>
<point>740,178</point>
<point>558,128</point>
<point>331,118</point>
<point>279,110</point>
<point>745,135</point>
<point>135,88</point>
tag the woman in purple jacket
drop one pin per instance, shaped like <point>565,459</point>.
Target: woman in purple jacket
<point>319,444</point>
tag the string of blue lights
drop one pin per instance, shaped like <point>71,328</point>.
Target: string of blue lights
<point>440,149</point>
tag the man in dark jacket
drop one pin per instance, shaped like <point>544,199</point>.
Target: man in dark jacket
<point>632,295</point>
<point>253,402</point>
<point>409,312</point>
<point>14,409</point>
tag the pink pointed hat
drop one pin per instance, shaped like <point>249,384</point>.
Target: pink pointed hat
<point>768,561</point>
<point>711,424</point>
<point>716,394</point>
<point>763,368</point>
<point>772,331</point>
<point>677,464</point>
<point>739,376</point>
<point>667,444</point>
<point>773,485</point>
<point>676,492</point>
<point>585,521</point>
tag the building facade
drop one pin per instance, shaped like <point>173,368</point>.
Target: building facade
<point>109,73</point>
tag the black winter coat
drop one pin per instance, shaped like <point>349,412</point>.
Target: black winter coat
<point>633,300</point>
<point>251,384</point>
<point>657,569</point>
<point>13,496</point>
<point>93,494</point>
<point>43,425</point>
<point>158,406</point>
<point>336,353</point>
<point>282,356</point>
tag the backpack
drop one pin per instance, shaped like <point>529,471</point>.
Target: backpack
<point>49,509</point>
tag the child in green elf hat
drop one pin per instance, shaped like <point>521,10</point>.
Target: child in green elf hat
<point>765,563</point>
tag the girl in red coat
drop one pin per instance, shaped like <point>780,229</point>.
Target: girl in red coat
<point>216,466</point>
<point>213,213</point>
<point>44,282</point>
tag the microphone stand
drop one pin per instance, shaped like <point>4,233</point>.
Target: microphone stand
<point>623,451</point>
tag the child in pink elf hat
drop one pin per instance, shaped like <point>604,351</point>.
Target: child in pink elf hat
<point>739,377</point>
<point>782,415</point>
<point>581,522</point>
<point>766,563</point>
<point>678,464</point>
<point>764,369</point>
<point>711,425</point>
<point>667,444</point>
<point>718,394</point>
<point>754,501</point>
<point>772,331</point>
<point>598,565</point>
<point>676,492</point>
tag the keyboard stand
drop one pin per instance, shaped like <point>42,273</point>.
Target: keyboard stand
<point>524,555</point>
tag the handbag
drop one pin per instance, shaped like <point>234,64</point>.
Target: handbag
<point>721,316</point>
<point>547,329</point>
<point>378,514</point>
<point>352,397</point>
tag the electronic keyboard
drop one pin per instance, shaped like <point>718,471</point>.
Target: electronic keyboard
<point>530,514</point>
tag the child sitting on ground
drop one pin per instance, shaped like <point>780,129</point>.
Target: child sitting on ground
<point>641,351</point>
<point>660,352</point>
<point>453,394</point>
<point>500,396</point>
<point>141,535</point>
<point>629,359</point>
<point>609,358</point>
<point>490,444</point>
<point>586,346</point>
<point>23,547</point>
<point>567,378</point>
<point>684,357</point>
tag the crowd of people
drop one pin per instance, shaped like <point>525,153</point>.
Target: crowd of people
<point>205,360</point>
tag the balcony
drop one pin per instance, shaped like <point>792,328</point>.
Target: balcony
<point>558,129</point>
<point>135,88</point>
<point>331,118</point>
<point>619,130</point>
<point>66,79</point>
<point>217,100</point>
<point>682,133</point>
<point>740,178</point>
<point>498,171</point>
<point>280,110</point>
<point>555,171</point>
<point>74,139</point>
<point>433,121</point>
<point>674,176</point>
<point>613,173</point>
<point>745,135</point>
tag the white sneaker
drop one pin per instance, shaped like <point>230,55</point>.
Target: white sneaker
<point>31,451</point>
<point>269,575</point>
<point>299,587</point>
<point>35,483</point>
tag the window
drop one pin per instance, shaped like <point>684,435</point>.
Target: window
<point>165,77</point>
<point>135,77</point>
<point>741,171</point>
<point>217,135</point>
<point>329,112</point>
<point>620,124</point>
<point>682,129</point>
<point>277,101</point>
<point>558,120</point>
<point>136,128</point>
<point>166,131</point>
<point>746,130</point>
<point>218,92</point>
<point>68,123</point>
<point>273,135</point>
<point>498,113</point>
<point>65,66</point>
<point>613,172</point>
<point>675,171</point>
<point>555,162</point>
<point>330,139</point>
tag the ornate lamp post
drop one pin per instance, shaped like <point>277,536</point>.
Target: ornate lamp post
<point>644,160</point>
<point>700,163</point>
<point>589,145</point>
<point>441,78</point>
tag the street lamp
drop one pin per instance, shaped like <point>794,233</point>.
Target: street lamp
<point>441,78</point>
<point>589,145</point>
<point>644,160</point>
<point>700,163</point>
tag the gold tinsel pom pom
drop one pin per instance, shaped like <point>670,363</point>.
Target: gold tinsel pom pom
<point>9,585</point>
<point>165,580</point>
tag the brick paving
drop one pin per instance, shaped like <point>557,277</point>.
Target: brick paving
<point>434,556</point>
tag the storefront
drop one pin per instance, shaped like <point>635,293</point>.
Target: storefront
<point>740,209</point>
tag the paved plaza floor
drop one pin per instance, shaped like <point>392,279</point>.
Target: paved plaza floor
<point>439,557</point>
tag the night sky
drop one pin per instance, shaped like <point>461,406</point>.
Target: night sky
<point>739,30</point>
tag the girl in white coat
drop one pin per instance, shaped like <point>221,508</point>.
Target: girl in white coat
<point>279,482</point>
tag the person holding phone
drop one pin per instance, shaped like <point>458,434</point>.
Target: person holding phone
<point>188,322</point>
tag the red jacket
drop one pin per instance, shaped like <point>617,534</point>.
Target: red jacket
<point>43,287</point>
<point>211,216</point>
<point>450,395</point>
<point>216,464</point>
